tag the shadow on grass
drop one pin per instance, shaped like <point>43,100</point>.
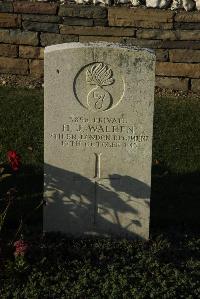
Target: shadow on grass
<point>175,201</point>
<point>28,182</point>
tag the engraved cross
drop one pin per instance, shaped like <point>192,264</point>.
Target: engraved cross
<point>96,179</point>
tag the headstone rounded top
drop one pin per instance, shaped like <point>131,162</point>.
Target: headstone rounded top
<point>98,125</point>
<point>77,45</point>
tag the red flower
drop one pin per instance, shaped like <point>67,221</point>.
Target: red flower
<point>21,247</point>
<point>14,160</point>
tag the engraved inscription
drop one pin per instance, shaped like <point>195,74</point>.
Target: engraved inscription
<point>98,87</point>
<point>98,132</point>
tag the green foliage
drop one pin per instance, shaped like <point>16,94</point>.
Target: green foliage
<point>59,267</point>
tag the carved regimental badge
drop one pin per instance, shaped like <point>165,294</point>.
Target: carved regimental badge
<point>98,88</point>
<point>98,98</point>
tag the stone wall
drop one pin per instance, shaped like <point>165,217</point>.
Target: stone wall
<point>27,27</point>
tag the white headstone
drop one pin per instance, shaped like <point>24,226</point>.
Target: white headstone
<point>98,139</point>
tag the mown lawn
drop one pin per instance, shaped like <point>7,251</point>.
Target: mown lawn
<point>167,266</point>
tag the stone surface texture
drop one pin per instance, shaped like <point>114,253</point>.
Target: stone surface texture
<point>196,85</point>
<point>172,83</point>
<point>98,139</point>
<point>35,7</point>
<point>43,27</point>
<point>48,39</point>
<point>83,30</point>
<point>36,68</point>
<point>16,66</point>
<point>174,34</point>
<point>31,52</point>
<point>191,70</point>
<point>6,7</point>
<point>8,50</point>
<point>19,37</point>
<point>9,20</point>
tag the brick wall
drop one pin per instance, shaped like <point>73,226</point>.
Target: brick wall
<point>27,27</point>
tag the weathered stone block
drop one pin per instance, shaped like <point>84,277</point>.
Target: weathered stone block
<point>8,50</point>
<point>93,12</point>
<point>36,68</point>
<point>184,16</point>
<point>19,37</point>
<point>13,66</point>
<point>172,83</point>
<point>106,31</point>
<point>95,38</point>
<point>141,24</point>
<point>41,18</point>
<point>144,43</point>
<point>162,55</point>
<point>184,55</point>
<point>124,16</point>
<point>100,22</point>
<point>9,20</point>
<point>153,24</point>
<point>155,34</point>
<point>53,38</point>
<point>187,26</point>
<point>185,44</point>
<point>188,35</point>
<point>139,18</point>
<point>35,7</point>
<point>161,44</point>
<point>43,27</point>
<point>178,69</point>
<point>31,52</point>
<point>6,7</point>
<point>77,21</point>
<point>169,34</point>
<point>195,85</point>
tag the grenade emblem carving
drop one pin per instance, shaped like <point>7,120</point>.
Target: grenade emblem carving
<point>100,75</point>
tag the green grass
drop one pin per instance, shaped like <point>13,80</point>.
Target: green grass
<point>21,129</point>
<point>176,134</point>
<point>21,114</point>
<point>58,267</point>
<point>175,181</point>
<point>62,268</point>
